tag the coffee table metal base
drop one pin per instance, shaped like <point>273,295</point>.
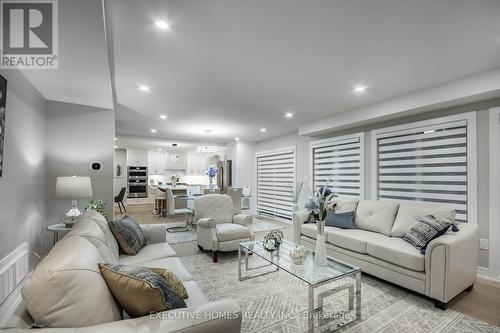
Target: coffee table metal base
<point>354,290</point>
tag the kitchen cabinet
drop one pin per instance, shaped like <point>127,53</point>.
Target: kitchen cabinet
<point>137,157</point>
<point>196,164</point>
<point>157,162</point>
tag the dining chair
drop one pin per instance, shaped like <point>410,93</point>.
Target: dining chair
<point>119,199</point>
<point>211,191</point>
<point>235,194</point>
<point>245,200</point>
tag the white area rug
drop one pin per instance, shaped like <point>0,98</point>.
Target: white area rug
<point>276,302</point>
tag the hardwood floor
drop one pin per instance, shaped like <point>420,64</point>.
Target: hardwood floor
<point>483,302</point>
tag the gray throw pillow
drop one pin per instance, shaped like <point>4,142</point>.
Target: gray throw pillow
<point>128,234</point>
<point>428,228</point>
<point>340,220</point>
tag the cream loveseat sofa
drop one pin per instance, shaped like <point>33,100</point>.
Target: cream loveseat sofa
<point>67,290</point>
<point>376,245</point>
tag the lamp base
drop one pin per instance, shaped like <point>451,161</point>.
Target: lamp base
<point>71,216</point>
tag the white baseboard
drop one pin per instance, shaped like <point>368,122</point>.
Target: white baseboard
<point>485,274</point>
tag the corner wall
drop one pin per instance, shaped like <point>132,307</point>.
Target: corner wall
<point>78,135</point>
<point>23,183</point>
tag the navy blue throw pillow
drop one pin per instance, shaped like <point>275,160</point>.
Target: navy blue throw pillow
<point>340,220</point>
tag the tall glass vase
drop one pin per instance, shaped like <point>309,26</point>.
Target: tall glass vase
<point>211,186</point>
<point>320,253</point>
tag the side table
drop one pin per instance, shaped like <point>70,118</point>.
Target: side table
<point>57,228</point>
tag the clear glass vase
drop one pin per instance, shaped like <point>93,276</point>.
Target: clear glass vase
<point>320,253</point>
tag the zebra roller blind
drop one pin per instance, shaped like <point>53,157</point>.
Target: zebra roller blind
<point>275,172</point>
<point>426,164</point>
<point>342,159</point>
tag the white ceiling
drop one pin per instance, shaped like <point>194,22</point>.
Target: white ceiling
<point>83,76</point>
<point>234,66</point>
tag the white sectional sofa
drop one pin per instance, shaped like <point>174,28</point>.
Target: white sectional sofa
<point>376,245</point>
<point>67,293</point>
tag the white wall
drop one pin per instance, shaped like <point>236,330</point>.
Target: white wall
<point>23,184</point>
<point>76,136</point>
<point>120,182</point>
<point>243,156</point>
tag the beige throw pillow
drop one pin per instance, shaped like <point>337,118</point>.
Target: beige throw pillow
<point>140,290</point>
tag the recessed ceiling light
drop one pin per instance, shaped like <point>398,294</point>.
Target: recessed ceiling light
<point>163,116</point>
<point>429,131</point>
<point>263,130</point>
<point>144,88</point>
<point>288,115</point>
<point>116,146</point>
<point>159,149</point>
<point>116,139</point>
<point>153,130</point>
<point>237,139</point>
<point>161,24</point>
<point>359,89</point>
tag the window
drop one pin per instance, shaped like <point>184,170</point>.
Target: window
<point>341,159</point>
<point>275,172</point>
<point>431,161</point>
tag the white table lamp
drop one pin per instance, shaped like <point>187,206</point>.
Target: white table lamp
<point>73,188</point>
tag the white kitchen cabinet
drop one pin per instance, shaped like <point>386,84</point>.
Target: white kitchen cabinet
<point>196,164</point>
<point>137,157</point>
<point>157,162</point>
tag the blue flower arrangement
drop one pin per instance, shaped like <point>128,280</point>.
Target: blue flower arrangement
<point>212,172</point>
<point>320,201</point>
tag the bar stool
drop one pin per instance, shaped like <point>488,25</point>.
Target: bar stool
<point>172,211</point>
<point>152,190</point>
<point>160,202</point>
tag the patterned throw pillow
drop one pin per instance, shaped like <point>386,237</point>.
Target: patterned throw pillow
<point>128,234</point>
<point>428,228</point>
<point>139,290</point>
<point>173,281</point>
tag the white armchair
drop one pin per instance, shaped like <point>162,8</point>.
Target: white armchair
<point>218,228</point>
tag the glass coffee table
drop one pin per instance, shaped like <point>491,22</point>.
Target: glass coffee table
<point>344,275</point>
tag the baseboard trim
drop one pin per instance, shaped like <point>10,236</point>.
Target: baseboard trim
<point>484,275</point>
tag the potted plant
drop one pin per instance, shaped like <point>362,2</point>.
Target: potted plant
<point>317,206</point>
<point>211,173</point>
<point>98,206</point>
<point>174,179</point>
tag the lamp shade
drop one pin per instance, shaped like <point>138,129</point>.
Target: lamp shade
<point>73,187</point>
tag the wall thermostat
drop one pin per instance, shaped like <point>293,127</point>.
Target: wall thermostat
<point>96,166</point>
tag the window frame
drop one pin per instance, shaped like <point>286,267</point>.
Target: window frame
<point>471,122</point>
<point>336,139</point>
<point>263,153</point>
